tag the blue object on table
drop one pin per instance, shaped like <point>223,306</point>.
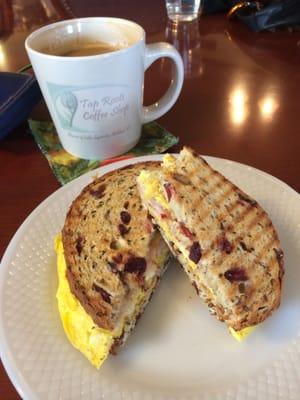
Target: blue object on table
<point>19,93</point>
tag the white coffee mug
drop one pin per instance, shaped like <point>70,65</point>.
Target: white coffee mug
<point>96,101</point>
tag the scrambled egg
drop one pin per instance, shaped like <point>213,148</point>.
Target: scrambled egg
<point>79,327</point>
<point>151,186</point>
<point>152,190</point>
<point>169,162</point>
<point>242,334</point>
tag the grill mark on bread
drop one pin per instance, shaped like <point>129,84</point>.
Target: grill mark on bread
<point>230,209</point>
<point>240,221</point>
<point>215,243</point>
<point>252,222</point>
<point>266,250</point>
<point>222,205</point>
<point>195,204</point>
<point>181,178</point>
<point>209,185</point>
<point>255,234</point>
<point>223,197</point>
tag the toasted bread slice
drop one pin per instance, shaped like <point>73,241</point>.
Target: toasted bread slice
<point>222,237</point>
<point>114,256</point>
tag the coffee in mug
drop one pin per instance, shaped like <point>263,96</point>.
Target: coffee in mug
<point>91,74</point>
<point>84,49</point>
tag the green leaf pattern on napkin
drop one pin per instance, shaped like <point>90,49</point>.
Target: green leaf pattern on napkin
<point>154,139</point>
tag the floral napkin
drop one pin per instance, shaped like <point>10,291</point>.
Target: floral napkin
<point>66,167</point>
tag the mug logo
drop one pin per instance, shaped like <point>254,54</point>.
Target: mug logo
<point>91,108</point>
<point>66,105</point>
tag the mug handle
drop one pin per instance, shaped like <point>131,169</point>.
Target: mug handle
<point>153,53</point>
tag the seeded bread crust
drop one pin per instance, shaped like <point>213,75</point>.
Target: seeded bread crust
<point>107,237</point>
<point>227,235</point>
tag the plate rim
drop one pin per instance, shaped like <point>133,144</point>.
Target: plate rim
<point>6,355</point>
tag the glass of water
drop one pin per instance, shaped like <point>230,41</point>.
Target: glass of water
<point>183,10</point>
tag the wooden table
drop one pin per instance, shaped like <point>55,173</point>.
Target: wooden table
<point>240,99</point>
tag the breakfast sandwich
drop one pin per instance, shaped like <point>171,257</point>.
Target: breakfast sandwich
<point>110,259</point>
<point>222,237</point>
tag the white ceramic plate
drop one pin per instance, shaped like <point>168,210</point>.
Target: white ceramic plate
<point>177,351</point>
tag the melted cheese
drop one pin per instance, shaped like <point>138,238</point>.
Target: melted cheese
<point>151,186</point>
<point>169,162</point>
<point>79,327</point>
<point>242,334</point>
<point>151,190</point>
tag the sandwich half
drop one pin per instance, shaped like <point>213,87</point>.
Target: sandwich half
<point>110,260</point>
<point>222,237</point>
